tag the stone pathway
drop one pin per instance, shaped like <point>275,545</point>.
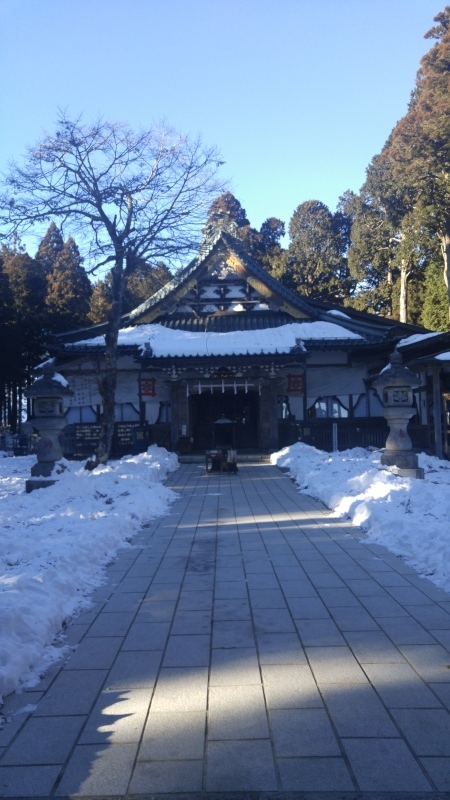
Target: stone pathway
<point>248,643</point>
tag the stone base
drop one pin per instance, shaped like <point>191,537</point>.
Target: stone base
<point>418,472</point>
<point>37,483</point>
<point>403,459</point>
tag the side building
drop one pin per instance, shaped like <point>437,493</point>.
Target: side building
<point>225,354</point>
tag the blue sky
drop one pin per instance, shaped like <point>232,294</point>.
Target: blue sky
<point>298,95</point>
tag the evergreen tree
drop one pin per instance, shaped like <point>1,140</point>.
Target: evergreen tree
<point>316,262</point>
<point>434,313</point>
<point>49,249</point>
<point>419,146</point>
<point>68,290</point>
<point>101,301</point>
<point>143,282</point>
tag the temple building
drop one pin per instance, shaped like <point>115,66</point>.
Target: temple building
<point>225,355</point>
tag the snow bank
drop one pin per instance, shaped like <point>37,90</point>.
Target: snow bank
<point>55,543</point>
<point>408,516</point>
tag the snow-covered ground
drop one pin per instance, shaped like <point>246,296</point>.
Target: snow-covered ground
<point>55,543</point>
<point>408,516</point>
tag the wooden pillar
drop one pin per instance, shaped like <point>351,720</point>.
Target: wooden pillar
<point>437,407</point>
<point>175,423</point>
<point>273,422</point>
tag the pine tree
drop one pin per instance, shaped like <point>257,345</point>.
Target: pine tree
<point>68,290</point>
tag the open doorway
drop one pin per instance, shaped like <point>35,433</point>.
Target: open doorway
<point>241,408</point>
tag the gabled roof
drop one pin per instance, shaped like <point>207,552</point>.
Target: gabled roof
<point>279,306</point>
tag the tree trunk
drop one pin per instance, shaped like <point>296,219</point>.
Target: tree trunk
<point>108,380</point>
<point>404,275</point>
<point>445,249</point>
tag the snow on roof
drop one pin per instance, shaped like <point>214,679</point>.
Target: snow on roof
<point>417,337</point>
<point>337,313</point>
<point>443,357</point>
<point>168,342</point>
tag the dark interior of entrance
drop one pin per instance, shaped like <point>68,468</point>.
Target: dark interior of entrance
<point>241,408</point>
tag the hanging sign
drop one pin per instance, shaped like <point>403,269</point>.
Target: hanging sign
<point>148,387</point>
<point>296,383</point>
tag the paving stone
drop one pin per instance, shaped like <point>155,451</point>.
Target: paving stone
<point>193,601</point>
<point>409,595</point>
<point>431,616</point>
<point>405,630</point>
<point>242,766</point>
<point>400,687</point>
<point>237,712</point>
<point>166,776</point>
<point>335,665</point>
<point>385,765</point>
<point>426,729</point>
<point>290,686</point>
<point>280,648</point>
<point>73,692</point>
<point>307,608</point>
<point>303,588</point>
<point>169,736</point>
<point>155,612</point>
<point>357,711</point>
<point>229,589</point>
<point>98,770</point>
<point>162,594</point>
<point>262,581</point>
<point>44,742</point>
<point>276,620</point>
<point>234,667</point>
<point>303,732</point>
<point>365,587</point>
<point>389,578</point>
<point>439,772</point>
<point>267,598</point>
<point>147,636</point>
<point>373,647</point>
<point>181,689</point>
<point>192,622</point>
<point>23,781</point>
<point>327,580</point>
<point>314,775</point>
<point>134,670</point>
<point>187,651</point>
<point>442,690</point>
<point>432,662</point>
<point>94,653</point>
<point>320,632</point>
<point>231,609</point>
<point>338,597</point>
<point>117,717</point>
<point>353,619</point>
<point>233,633</point>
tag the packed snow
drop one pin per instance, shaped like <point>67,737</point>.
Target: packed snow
<point>168,342</point>
<point>56,542</point>
<point>408,516</point>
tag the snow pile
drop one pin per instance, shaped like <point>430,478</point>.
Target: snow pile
<point>55,542</point>
<point>408,516</point>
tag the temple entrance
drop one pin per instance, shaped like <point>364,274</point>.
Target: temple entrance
<point>241,408</point>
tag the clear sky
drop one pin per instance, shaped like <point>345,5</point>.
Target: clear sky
<point>298,95</point>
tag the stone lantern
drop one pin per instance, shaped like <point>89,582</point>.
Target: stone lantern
<point>395,386</point>
<point>47,393</point>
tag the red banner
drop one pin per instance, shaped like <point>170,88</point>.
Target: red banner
<point>296,383</point>
<point>148,387</point>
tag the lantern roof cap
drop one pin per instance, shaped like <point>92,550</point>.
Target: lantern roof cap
<point>396,374</point>
<point>48,382</point>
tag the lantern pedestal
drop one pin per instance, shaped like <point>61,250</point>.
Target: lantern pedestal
<point>47,393</point>
<point>396,383</point>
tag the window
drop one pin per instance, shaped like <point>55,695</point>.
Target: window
<point>328,408</point>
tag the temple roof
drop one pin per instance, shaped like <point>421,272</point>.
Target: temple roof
<point>224,291</point>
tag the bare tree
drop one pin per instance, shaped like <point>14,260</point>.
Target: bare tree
<point>128,196</point>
